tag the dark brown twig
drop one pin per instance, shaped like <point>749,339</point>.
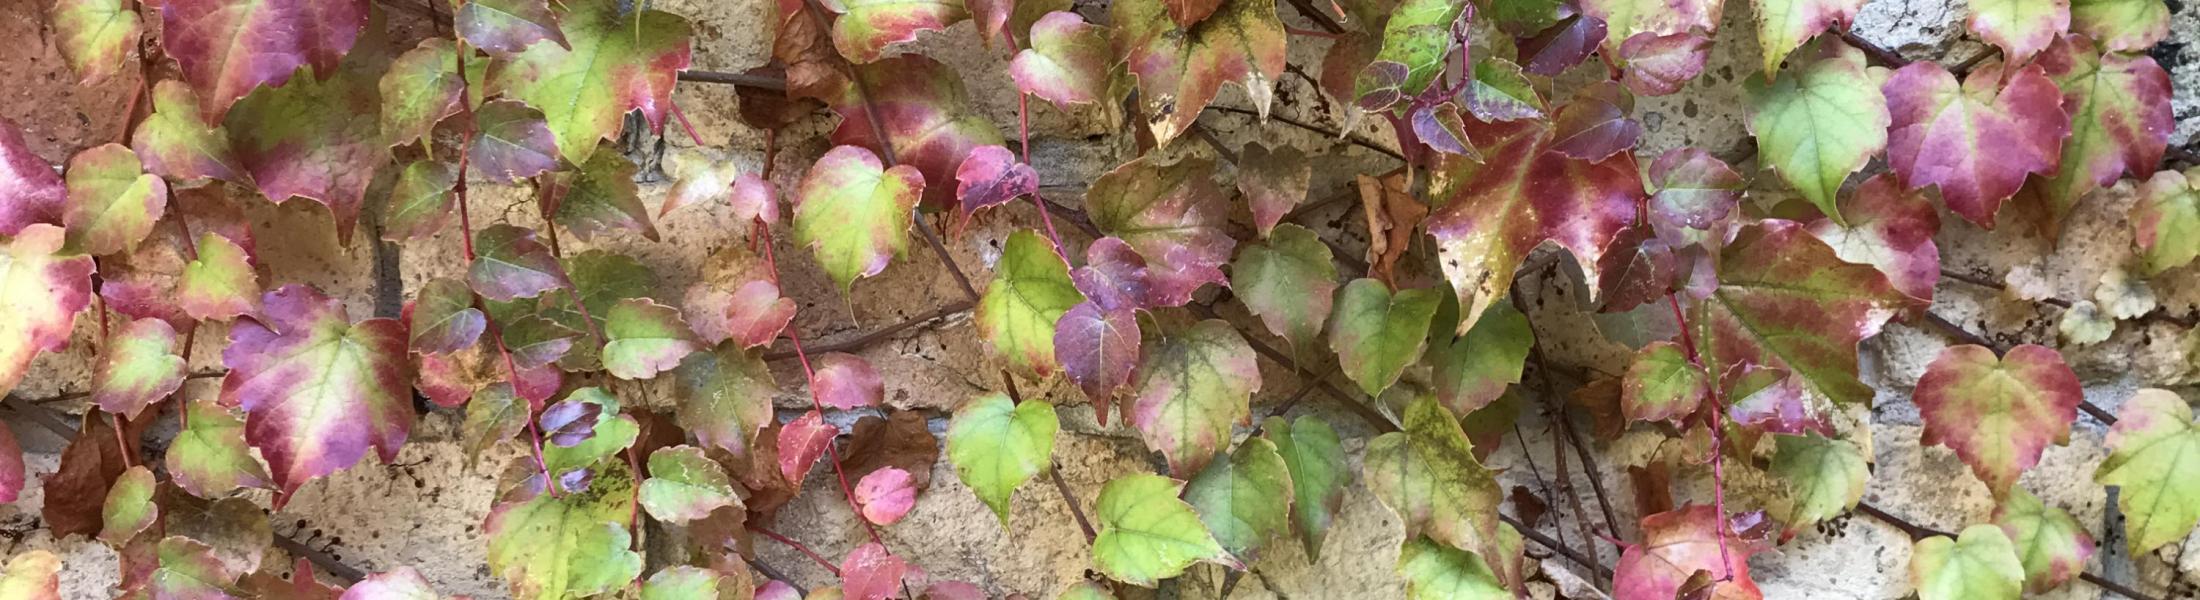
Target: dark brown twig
<point>1919,532</point>
<point>874,336</point>
<point>1566,428</point>
<point>1325,132</point>
<point>1882,56</point>
<point>761,82</point>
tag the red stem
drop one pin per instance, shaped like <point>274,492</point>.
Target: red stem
<point>1718,441</point>
<point>790,543</point>
<point>1023,133</point>
<point>810,375</point>
<point>683,118</point>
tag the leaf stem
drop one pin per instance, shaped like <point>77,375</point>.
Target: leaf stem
<point>809,376</point>
<point>790,543</point>
<point>1054,471</point>
<point>1023,134</point>
<point>1718,439</point>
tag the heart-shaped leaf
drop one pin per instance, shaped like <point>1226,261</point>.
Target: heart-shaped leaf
<point>1069,62</point>
<point>129,508</point>
<point>1976,141</point>
<point>1179,69</point>
<point>1998,413</point>
<point>1290,282</point>
<point>1191,388</point>
<point>997,446</point>
<point>1679,543</point>
<point>991,177</point>
<point>1376,334</point>
<point>176,143</point>
<point>1114,276</point>
<point>2019,28</point>
<point>443,319</point>
<point>220,284</point>
<point>684,485</point>
<point>1784,25</point>
<point>1663,384</point>
<point>1173,215</point>
<point>506,27</point>
<point>1273,182</point>
<point>725,397</point>
<point>2121,25</point>
<point>113,203</point>
<point>317,389</point>
<point>1770,276</point>
<point>1314,458</point>
<point>1244,501</point>
<point>1824,477</point>
<point>1097,348</point>
<point>870,572</point>
<point>138,366</point>
<point>866,28</point>
<point>566,545</point>
<point>1980,565</point>
<point>1016,317</point>
<point>611,63</point>
<point>1820,122</point>
<point>885,495</point>
<point>927,118</point>
<point>1147,534</point>
<point>422,203</point>
<point>510,264</point>
<point>2154,454</point>
<point>1427,474</point>
<point>96,35</point>
<point>227,48</point>
<point>1890,229</point>
<point>1475,368</point>
<point>1435,571</point>
<point>2166,221</point>
<point>209,457</point>
<point>511,141</point>
<point>1662,64</point>
<point>2051,544</point>
<point>2120,119</point>
<point>643,338</point>
<point>422,87</point>
<point>40,294</point>
<point>854,213</point>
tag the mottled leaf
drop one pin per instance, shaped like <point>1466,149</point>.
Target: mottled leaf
<point>1500,92</point>
<point>1998,413</point>
<point>801,443</point>
<point>2154,455</point>
<point>2166,221</point>
<point>1678,544</point>
<point>314,137</point>
<point>129,508</point>
<point>442,317</point>
<point>1784,25</point>
<point>511,141</point>
<point>30,192</point>
<point>1174,215</point>
<point>854,213</point>
<point>420,205</point>
<point>2050,544</point>
<point>1980,565</point>
<point>2120,119</point>
<point>1417,40</point>
<point>1191,388</point>
<point>865,29</point>
<point>1663,384</point>
<point>1475,368</point>
<point>2121,25</point>
<point>1069,62</point>
<point>494,414</point>
<point>1662,64</point>
<point>32,575</point>
<point>1290,282</point>
<point>1435,571</point>
<point>1180,69</point>
<point>601,197</point>
<point>209,457</point>
<point>1245,501</point>
<point>684,485</point>
<point>725,396</point>
<point>138,366</point>
<point>1824,477</point>
<point>736,299</point>
<point>928,119</point>
<point>566,545</point>
<point>1016,317</point>
<point>422,87</point>
<point>96,35</point>
<point>1889,229</point>
<point>510,264</point>
<point>176,143</point>
<point>612,63</point>
<point>1821,121</point>
<point>2020,28</point>
<point>1097,348</point>
<point>113,203</point>
<point>1147,534</point>
<point>226,48</point>
<point>317,389</point>
<point>1784,300</point>
<point>1976,141</point>
<point>997,446</point>
<point>1377,334</point>
<point>885,495</point>
<point>1114,275</point>
<point>1427,474</point>
<point>505,27</point>
<point>992,176</point>
<point>643,338</point>
<point>40,294</point>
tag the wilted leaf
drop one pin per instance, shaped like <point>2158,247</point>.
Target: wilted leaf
<point>885,495</point>
<point>1427,474</point>
<point>1821,122</point>
<point>1435,571</point>
<point>511,141</point>
<point>1016,317</point>
<point>1678,544</point>
<point>226,48</point>
<point>684,485</point>
<point>2050,544</point>
<point>1173,215</point>
<point>40,294</point>
<point>209,457</point>
<point>1981,565</point>
<point>1098,349</point>
<point>1180,69</point>
<point>1998,413</point>
<point>927,117</point>
<point>1473,369</point>
<point>505,27</point>
<point>1824,477</point>
<point>91,462</point>
<point>854,213</point>
<point>566,545</point>
<point>1784,25</point>
<point>1244,501</point>
<point>1290,282</point>
<point>317,389</point>
<point>1890,229</point>
<point>1784,300</point>
<point>1377,334</point>
<point>1069,62</point>
<point>1663,384</point>
<point>2120,120</point>
<point>11,466</point>
<point>1191,388</point>
<point>1147,534</point>
<point>113,203</point>
<point>612,63</point>
<point>1977,141</point>
<point>2154,455</point>
<point>176,143</point>
<point>138,366</point>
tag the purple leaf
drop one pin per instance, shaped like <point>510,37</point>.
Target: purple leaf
<point>1114,275</point>
<point>30,191</point>
<point>1694,189</point>
<point>926,116</point>
<point>443,319</point>
<point>510,264</point>
<point>512,142</point>
<point>846,381</point>
<point>1595,125</point>
<point>992,176</point>
<point>1562,46</point>
<point>570,422</point>
<point>1976,141</point>
<point>1174,216</point>
<point>1098,349</point>
<point>506,27</point>
<point>226,48</point>
<point>1661,64</point>
<point>1441,129</point>
<point>315,137</point>
<point>317,389</point>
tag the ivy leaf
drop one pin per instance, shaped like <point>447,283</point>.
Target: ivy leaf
<point>1825,477</point>
<point>506,27</point>
<point>1180,69</point>
<point>494,414</point>
<point>317,389</point>
<point>927,117</point>
<point>1417,39</point>
<point>1561,46</point>
<point>1435,571</point>
<point>512,141</point>
<point>1998,414</point>
<point>684,485</point>
<point>1114,276</point>
<point>997,446</point>
<point>602,197</point>
<point>1069,62</point>
<point>113,203</point>
<point>1662,384</point>
<point>870,572</point>
<point>1191,388</point>
<point>1428,475</point>
<point>209,457</point>
<point>187,569</point>
<point>991,176</point>
<point>314,138</point>
<point>138,366</point>
<point>220,284</point>
<point>2120,119</point>
<point>1982,564</point>
<point>1821,122</point>
<point>866,28</point>
<point>443,319</point>
<point>725,397</point>
<point>1627,20</point>
<point>227,48</point>
<point>686,582</point>
<point>30,192</point>
<point>96,35</point>
<point>1474,369</point>
<point>854,213</point>
<point>736,299</point>
<point>1501,93</point>
<point>2050,544</point>
<point>1244,501</point>
<point>1658,65</point>
<point>644,338</point>
<point>422,87</point>
<point>885,495</point>
<point>510,264</point>
<point>420,205</point>
<point>1017,315</point>
<point>2121,25</point>
<point>1784,25</point>
<point>32,575</point>
<point>1594,126</point>
<point>2166,222</point>
<point>1976,141</point>
<point>1174,215</point>
<point>176,143</point>
<point>1290,282</point>
<point>402,583</point>
<point>2154,455</point>
<point>584,429</point>
<point>1376,334</point>
<point>1273,182</point>
<point>1676,545</point>
<point>612,63</point>
<point>1770,276</point>
<point>40,294</point>
<point>1526,194</point>
<point>1314,459</point>
<point>566,545</point>
<point>846,381</point>
<point>1890,229</point>
<point>801,442</point>
<point>129,508</point>
<point>1147,534</point>
<point>2020,28</point>
<point>1097,348</point>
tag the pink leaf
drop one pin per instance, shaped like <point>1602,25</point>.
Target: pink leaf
<point>992,176</point>
<point>1890,229</point>
<point>1767,399</point>
<point>1677,544</point>
<point>2120,118</point>
<point>885,495</point>
<point>1976,141</point>
<point>1114,275</point>
<point>1998,413</point>
<point>40,294</point>
<point>1174,216</point>
<point>755,197</point>
<point>926,116</point>
<point>1594,125</point>
<point>1098,349</point>
<point>953,590</point>
<point>846,381</point>
<point>403,583</point>
<point>11,466</point>
<point>991,16</point>
<point>1661,64</point>
<point>226,49</point>
<point>871,573</point>
<point>1694,189</point>
<point>801,442</point>
<point>318,390</point>
<point>30,191</point>
<point>776,590</point>
<point>314,137</point>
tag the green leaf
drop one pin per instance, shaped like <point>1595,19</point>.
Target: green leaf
<point>1783,25</point>
<point>2052,546</point>
<point>1998,413</point>
<point>220,284</point>
<point>610,433</point>
<point>138,366</point>
<point>318,390</point>
<point>854,213</point>
<point>2154,455</point>
<point>2166,221</point>
<point>2020,28</point>
<point>1820,122</point>
<point>1377,335</point>
<point>1086,590</point>
<point>684,485</point>
<point>1428,475</point>
<point>866,28</point>
<point>1434,571</point>
<point>1784,300</point>
<point>1316,462</point>
<point>997,445</point>
<point>1245,501</point>
<point>2121,25</point>
<point>567,545</point>
<point>42,292</point>
<point>1662,384</point>
<point>1031,290</point>
<point>683,582</point>
<point>1069,62</point>
<point>1416,41</point>
<point>603,278</point>
<point>601,197</point>
<point>113,203</point>
<point>316,137</point>
<point>1474,369</point>
<point>129,508</point>
<point>1290,282</point>
<point>187,569</point>
<point>96,35</point>
<point>1179,70</point>
<point>420,205</point>
<point>1173,215</point>
<point>1192,387</point>
<point>1981,565</point>
<point>725,397</point>
<point>422,87</point>
<point>1147,534</point>
<point>175,143</point>
<point>209,457</point>
<point>1824,477</point>
<point>643,338</point>
<point>613,63</point>
<point>1500,92</point>
<point>35,575</point>
<point>493,415</point>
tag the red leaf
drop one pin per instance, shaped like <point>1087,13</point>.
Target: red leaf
<point>735,299</point>
<point>846,381</point>
<point>30,191</point>
<point>1114,275</point>
<point>801,442</point>
<point>871,573</point>
<point>2120,118</point>
<point>226,48</point>
<point>1975,141</point>
<point>1890,229</point>
<point>1098,349</point>
<point>316,138</point>
<point>11,466</point>
<point>318,390</point>
<point>1174,216</point>
<point>1678,544</point>
<point>885,495</point>
<point>1662,64</point>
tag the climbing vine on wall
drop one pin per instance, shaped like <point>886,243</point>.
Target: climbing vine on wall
<point>1761,298</point>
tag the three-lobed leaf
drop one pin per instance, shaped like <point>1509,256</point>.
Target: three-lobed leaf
<point>1785,300</point>
<point>209,456</point>
<point>1029,293</point>
<point>1180,69</point>
<point>1191,388</point>
<point>1290,282</point>
<point>1428,475</point>
<point>1784,25</point>
<point>996,446</point>
<point>865,29</point>
<point>1147,534</point>
<point>2154,455</point>
<point>227,48</point>
<point>855,213</point>
<point>1976,140</point>
<point>1998,413</point>
<point>1820,121</point>
<point>2052,546</point>
<point>1980,564</point>
<point>318,390</point>
<point>610,63</point>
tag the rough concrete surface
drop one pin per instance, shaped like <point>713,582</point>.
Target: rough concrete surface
<point>425,510</point>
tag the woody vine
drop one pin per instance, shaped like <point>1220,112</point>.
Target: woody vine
<point>1508,127</point>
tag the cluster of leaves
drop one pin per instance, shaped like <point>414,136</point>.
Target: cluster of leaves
<point>303,100</point>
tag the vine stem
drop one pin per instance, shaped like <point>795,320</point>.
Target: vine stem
<point>1054,471</point>
<point>1023,134</point>
<point>790,543</point>
<point>810,376</point>
<point>1718,441</point>
<point>1564,423</point>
